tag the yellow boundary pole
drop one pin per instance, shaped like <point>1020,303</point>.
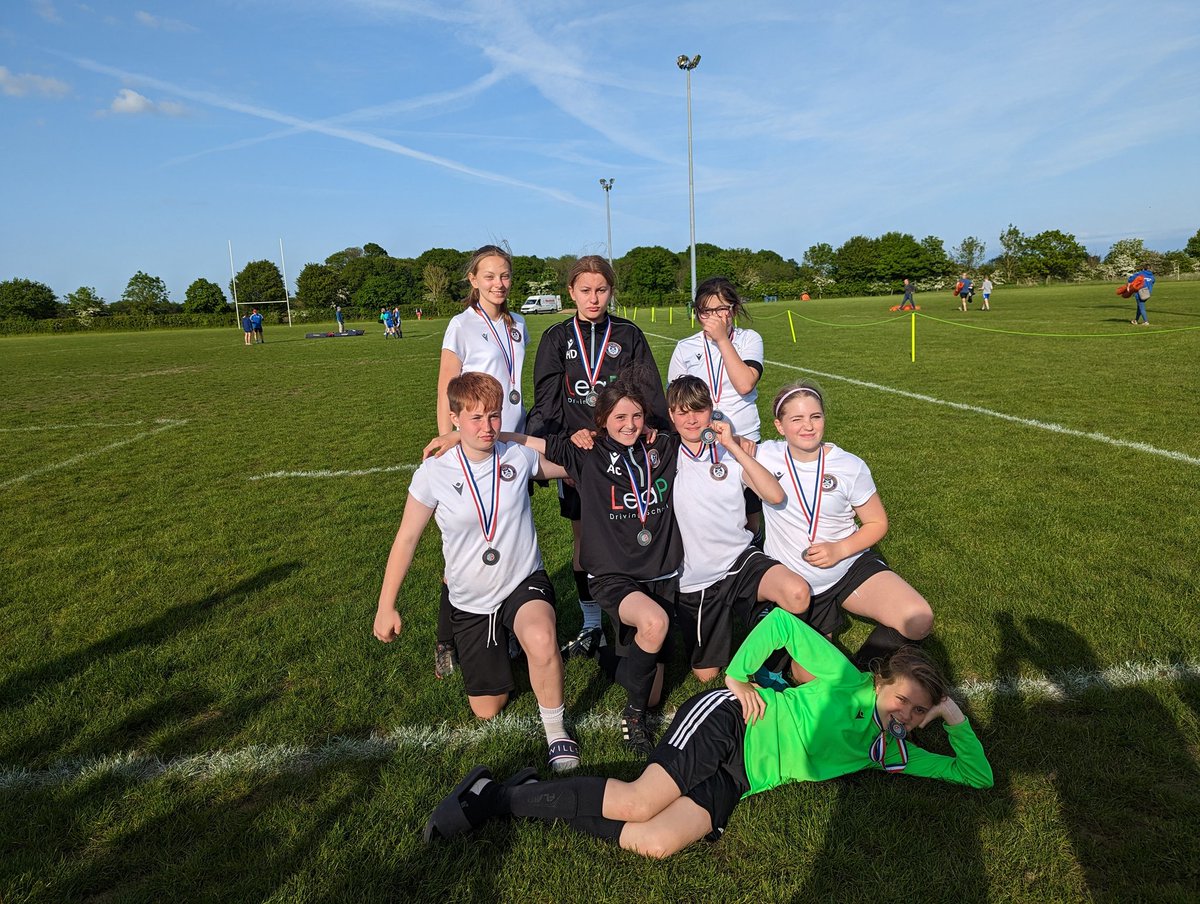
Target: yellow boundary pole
<point>792,324</point>
<point>914,338</point>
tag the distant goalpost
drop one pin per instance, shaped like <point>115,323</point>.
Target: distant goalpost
<point>238,305</point>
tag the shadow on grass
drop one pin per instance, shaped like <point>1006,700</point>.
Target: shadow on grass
<point>1127,785</point>
<point>181,720</point>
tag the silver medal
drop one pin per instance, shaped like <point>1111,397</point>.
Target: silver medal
<point>591,398</point>
<point>718,414</point>
<point>708,436</point>
<point>491,556</point>
<point>896,730</point>
<point>718,471</point>
<point>644,537</point>
<point>514,397</point>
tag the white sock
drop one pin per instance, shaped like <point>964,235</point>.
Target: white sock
<point>552,721</point>
<point>591,614</point>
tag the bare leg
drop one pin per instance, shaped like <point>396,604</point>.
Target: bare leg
<point>785,589</point>
<point>888,599</point>
<point>535,628</point>
<point>487,706</point>
<point>682,823</point>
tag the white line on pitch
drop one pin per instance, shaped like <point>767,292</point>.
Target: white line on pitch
<point>274,475</point>
<point>68,427</point>
<point>283,758</point>
<point>975,409</point>
<point>164,424</point>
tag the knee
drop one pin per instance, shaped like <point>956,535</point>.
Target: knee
<point>919,621</point>
<point>653,630</point>
<point>539,642</point>
<point>798,597</point>
<point>655,845</point>
<point>488,707</point>
<point>705,675</point>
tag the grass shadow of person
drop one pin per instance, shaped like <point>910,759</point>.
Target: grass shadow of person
<point>1116,757</point>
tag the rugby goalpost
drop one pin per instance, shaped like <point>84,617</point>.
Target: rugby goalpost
<point>238,305</point>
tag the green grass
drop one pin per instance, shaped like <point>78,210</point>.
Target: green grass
<point>157,603</point>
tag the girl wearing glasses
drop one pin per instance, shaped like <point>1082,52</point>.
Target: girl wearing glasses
<point>728,358</point>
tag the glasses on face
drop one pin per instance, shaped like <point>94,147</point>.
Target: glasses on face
<point>708,312</point>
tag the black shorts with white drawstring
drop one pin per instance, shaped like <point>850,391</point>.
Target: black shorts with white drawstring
<point>482,640</point>
<point>705,617</point>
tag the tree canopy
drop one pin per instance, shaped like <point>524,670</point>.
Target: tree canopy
<point>258,283</point>
<point>26,299</point>
<point>144,294</point>
<point>204,297</point>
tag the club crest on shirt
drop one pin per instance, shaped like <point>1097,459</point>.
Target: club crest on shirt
<point>508,472</point>
<point>458,488</point>
<point>654,458</point>
<point>515,333</point>
<point>828,483</point>
<point>612,349</point>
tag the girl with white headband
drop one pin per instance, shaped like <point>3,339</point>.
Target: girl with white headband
<point>827,526</point>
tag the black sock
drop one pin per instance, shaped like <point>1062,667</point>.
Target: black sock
<point>635,673</point>
<point>579,802</point>
<point>609,661</point>
<point>880,644</point>
<point>445,632</point>
<point>582,588</point>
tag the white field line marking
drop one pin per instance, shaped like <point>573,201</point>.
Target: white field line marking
<point>68,427</point>
<point>294,758</point>
<point>1011,418</point>
<point>360,473</point>
<point>164,424</point>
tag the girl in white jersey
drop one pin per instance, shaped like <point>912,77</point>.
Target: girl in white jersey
<point>493,567</point>
<point>722,574</point>
<point>484,338</point>
<point>728,358</point>
<point>826,528</point>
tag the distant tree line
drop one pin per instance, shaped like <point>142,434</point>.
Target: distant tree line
<point>366,279</point>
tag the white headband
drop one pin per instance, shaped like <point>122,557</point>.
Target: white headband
<point>790,393</point>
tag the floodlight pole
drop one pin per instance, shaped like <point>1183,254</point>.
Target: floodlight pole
<point>607,185</point>
<point>687,66</point>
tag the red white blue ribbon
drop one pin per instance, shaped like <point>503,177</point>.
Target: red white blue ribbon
<point>879,747</point>
<point>510,354</point>
<point>716,375</point>
<point>643,505</point>
<point>699,456</point>
<point>591,369</point>
<point>812,511</point>
<point>487,519</point>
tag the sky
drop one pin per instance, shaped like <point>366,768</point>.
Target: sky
<point>152,135</point>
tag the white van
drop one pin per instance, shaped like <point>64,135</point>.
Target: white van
<point>542,304</point>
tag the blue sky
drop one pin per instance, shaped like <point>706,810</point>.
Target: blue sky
<point>144,136</point>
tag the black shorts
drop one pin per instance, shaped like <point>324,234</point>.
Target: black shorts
<point>703,750</point>
<point>825,611</point>
<point>706,616</point>
<point>568,502</point>
<point>609,589</point>
<point>753,503</point>
<point>482,640</point>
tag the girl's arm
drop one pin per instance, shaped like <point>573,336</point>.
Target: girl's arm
<point>388,623</point>
<point>968,766</point>
<point>873,525</point>
<point>754,475</point>
<point>812,651</point>
<point>548,470</point>
<point>449,368</point>
<point>743,377</point>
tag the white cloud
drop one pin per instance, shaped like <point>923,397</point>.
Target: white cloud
<point>162,23</point>
<point>129,103</point>
<point>45,9</point>
<point>15,85</point>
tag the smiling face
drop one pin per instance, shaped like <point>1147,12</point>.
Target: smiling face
<point>591,293</point>
<point>625,422</point>
<point>477,427</point>
<point>492,277</point>
<point>801,422</point>
<point>688,423</point>
<point>902,699</point>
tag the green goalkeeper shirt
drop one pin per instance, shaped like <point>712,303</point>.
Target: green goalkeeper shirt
<point>823,729</point>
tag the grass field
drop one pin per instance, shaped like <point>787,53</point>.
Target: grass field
<point>192,706</point>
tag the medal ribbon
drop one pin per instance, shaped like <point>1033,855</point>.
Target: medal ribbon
<point>487,520</point>
<point>811,512</point>
<point>715,376</point>
<point>879,747</point>
<point>510,355</point>
<point>643,507</point>
<point>591,370</point>
<point>711,447</point>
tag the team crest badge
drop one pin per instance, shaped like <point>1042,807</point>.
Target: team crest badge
<point>508,472</point>
<point>654,458</point>
<point>613,349</point>
<point>515,333</point>
<point>828,483</point>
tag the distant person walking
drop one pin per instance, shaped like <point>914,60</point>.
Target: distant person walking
<point>256,322</point>
<point>397,326</point>
<point>1142,294</point>
<point>248,329</point>
<point>908,304</point>
<point>987,294</point>
<point>964,290</point>
<point>340,318</point>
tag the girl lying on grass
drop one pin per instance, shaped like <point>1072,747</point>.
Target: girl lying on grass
<point>724,745</point>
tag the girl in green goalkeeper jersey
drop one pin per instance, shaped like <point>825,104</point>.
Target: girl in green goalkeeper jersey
<point>724,745</point>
